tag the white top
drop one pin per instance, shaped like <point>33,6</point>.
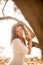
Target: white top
<point>19,51</point>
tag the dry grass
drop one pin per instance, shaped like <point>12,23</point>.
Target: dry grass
<point>4,61</point>
<point>33,61</point>
<point>27,61</point>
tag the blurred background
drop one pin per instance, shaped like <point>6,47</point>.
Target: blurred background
<point>33,12</point>
<point>28,11</point>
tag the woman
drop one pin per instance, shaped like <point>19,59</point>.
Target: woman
<point>19,44</point>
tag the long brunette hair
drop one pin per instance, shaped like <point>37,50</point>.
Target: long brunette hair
<point>13,33</point>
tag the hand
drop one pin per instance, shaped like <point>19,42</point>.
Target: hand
<point>29,36</point>
<point>29,52</point>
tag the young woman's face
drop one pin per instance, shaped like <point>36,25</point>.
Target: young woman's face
<point>19,31</point>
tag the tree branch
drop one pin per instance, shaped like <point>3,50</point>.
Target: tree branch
<point>8,18</point>
<point>4,7</point>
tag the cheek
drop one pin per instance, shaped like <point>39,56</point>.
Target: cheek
<point>18,33</point>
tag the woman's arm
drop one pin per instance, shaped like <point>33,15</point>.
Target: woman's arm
<point>27,29</point>
<point>29,38</point>
<point>29,46</point>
